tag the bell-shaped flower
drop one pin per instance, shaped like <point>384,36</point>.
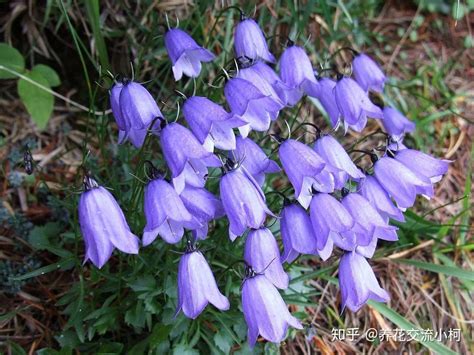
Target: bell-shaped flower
<point>114,97</point>
<point>296,233</point>
<point>253,159</point>
<point>185,156</point>
<point>368,223</point>
<point>185,54</point>
<point>306,170</point>
<point>249,42</point>
<point>395,123</point>
<point>203,206</point>
<point>354,104</point>
<point>297,73</point>
<point>368,73</point>
<point>265,312</point>
<point>250,105</point>
<point>358,283</point>
<point>371,189</point>
<point>327,97</point>
<point>263,255</point>
<point>399,181</point>
<point>335,155</point>
<point>210,123</point>
<point>243,201</point>
<point>165,213</point>
<point>103,225</point>
<point>424,166</point>
<point>197,286</point>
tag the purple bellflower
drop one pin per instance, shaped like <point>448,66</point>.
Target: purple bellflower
<point>395,123</point>
<point>368,73</point>
<point>185,54</point>
<point>335,155</point>
<point>265,312</point>
<point>203,206</point>
<point>306,170</point>
<point>423,165</point>
<point>103,225</point>
<point>399,181</point>
<point>327,97</point>
<point>296,233</point>
<point>262,254</point>
<point>185,156</point>
<point>354,104</point>
<point>243,201</point>
<point>249,42</point>
<point>358,283</point>
<point>297,73</point>
<point>166,214</point>
<point>250,105</point>
<point>210,123</point>
<point>197,286</point>
<point>253,159</point>
<point>371,189</point>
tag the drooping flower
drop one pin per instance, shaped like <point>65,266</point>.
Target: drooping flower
<point>114,96</point>
<point>249,42</point>
<point>210,123</point>
<point>103,225</point>
<point>354,104</point>
<point>424,166</point>
<point>327,97</point>
<point>250,105</point>
<point>253,159</point>
<point>185,156</point>
<point>371,189</point>
<point>197,286</point>
<point>306,170</point>
<point>185,54</point>
<point>243,201</point>
<point>165,213</point>
<point>265,312</point>
<point>358,283</point>
<point>368,73</point>
<point>335,155</point>
<point>297,73</point>
<point>203,206</point>
<point>395,123</point>
<point>399,181</point>
<point>262,254</point>
<point>296,233</point>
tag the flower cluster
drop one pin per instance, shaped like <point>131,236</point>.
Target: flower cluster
<point>336,202</point>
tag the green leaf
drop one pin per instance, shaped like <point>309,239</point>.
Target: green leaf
<point>443,269</point>
<point>48,73</point>
<point>39,235</point>
<point>11,59</point>
<point>184,350</point>
<point>400,321</point>
<point>159,334</point>
<point>64,264</point>
<point>38,102</point>
<point>223,342</point>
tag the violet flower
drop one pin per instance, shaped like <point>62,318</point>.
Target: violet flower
<point>424,166</point>
<point>358,283</point>
<point>265,312</point>
<point>249,42</point>
<point>327,97</point>
<point>197,286</point>
<point>368,73</point>
<point>185,156</point>
<point>395,123</point>
<point>262,254</point>
<point>185,54</point>
<point>296,233</point>
<point>103,225</point>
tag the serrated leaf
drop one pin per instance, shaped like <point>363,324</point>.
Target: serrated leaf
<point>39,235</point>
<point>11,59</point>
<point>184,350</point>
<point>38,102</point>
<point>48,73</point>
<point>223,342</point>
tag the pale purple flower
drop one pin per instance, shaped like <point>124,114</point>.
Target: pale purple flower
<point>296,233</point>
<point>249,42</point>
<point>358,283</point>
<point>114,97</point>
<point>395,123</point>
<point>262,254</point>
<point>253,159</point>
<point>265,312</point>
<point>185,156</point>
<point>327,97</point>
<point>197,286</point>
<point>165,213</point>
<point>424,166</point>
<point>185,54</point>
<point>103,225</point>
<point>368,73</point>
